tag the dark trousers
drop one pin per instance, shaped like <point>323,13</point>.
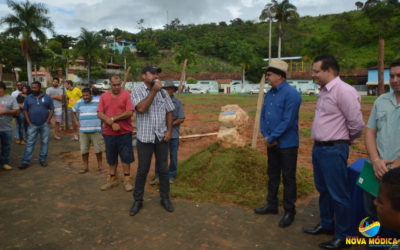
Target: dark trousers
<point>282,160</point>
<point>145,153</point>
<point>332,183</point>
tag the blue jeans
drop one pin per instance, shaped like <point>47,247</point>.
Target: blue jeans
<point>173,157</point>
<point>20,126</point>
<point>331,181</point>
<point>6,139</point>
<point>32,133</point>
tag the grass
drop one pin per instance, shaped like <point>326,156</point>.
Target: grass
<point>208,119</point>
<point>235,175</point>
<point>305,132</point>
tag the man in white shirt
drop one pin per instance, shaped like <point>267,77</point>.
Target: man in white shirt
<point>18,137</point>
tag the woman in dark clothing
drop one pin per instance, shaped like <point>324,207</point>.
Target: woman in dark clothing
<point>23,125</point>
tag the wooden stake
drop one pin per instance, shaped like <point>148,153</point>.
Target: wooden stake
<point>381,80</point>
<point>126,77</point>
<point>198,135</point>
<point>182,75</point>
<point>258,114</point>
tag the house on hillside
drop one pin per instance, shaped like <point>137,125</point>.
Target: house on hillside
<point>120,45</point>
<point>372,83</point>
<point>80,65</point>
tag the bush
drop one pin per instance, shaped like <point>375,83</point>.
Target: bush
<point>191,80</point>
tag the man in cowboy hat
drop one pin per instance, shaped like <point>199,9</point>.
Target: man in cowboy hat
<point>178,117</point>
<point>279,127</point>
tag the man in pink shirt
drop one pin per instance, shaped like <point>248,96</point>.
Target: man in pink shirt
<point>115,110</point>
<point>338,121</point>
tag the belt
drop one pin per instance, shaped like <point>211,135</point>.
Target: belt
<point>331,143</point>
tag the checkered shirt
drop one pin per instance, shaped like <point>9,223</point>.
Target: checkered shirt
<point>151,123</point>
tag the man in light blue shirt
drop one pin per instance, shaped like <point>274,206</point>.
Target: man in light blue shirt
<point>382,136</point>
<point>89,128</point>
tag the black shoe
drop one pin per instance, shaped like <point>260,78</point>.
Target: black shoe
<point>334,244</point>
<point>166,203</point>
<point>267,209</point>
<point>23,166</point>
<point>287,219</point>
<point>137,205</point>
<point>43,164</point>
<point>317,230</point>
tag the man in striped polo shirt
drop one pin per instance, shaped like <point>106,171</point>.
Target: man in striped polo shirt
<point>89,128</point>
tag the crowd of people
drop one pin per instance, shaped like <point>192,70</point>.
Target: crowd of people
<point>338,122</point>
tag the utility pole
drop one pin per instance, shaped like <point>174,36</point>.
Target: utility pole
<point>381,67</point>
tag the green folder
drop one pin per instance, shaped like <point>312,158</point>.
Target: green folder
<point>367,180</point>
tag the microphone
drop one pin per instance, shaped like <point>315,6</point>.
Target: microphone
<point>161,90</point>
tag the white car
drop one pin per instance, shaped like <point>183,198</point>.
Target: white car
<point>102,86</point>
<point>312,92</point>
<point>256,91</point>
<point>197,91</point>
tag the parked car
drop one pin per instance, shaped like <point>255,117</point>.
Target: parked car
<point>257,90</point>
<point>197,91</point>
<point>312,92</point>
<point>102,86</point>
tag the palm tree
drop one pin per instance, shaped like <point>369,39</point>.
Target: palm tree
<point>89,47</point>
<point>284,12</point>
<point>28,21</point>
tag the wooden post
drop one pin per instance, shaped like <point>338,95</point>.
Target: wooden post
<point>126,77</point>
<point>182,75</point>
<point>258,114</point>
<point>65,104</point>
<point>35,78</point>
<point>381,80</point>
<point>1,72</point>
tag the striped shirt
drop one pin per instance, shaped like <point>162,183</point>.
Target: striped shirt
<point>151,123</point>
<point>88,119</point>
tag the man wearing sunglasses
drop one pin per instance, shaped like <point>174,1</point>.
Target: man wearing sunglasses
<point>279,127</point>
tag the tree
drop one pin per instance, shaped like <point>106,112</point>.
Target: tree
<point>28,22</point>
<point>284,12</point>
<point>186,51</point>
<point>359,5</point>
<point>89,47</point>
<point>174,25</point>
<point>242,53</point>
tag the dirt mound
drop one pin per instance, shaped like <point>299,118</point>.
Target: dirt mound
<point>234,175</point>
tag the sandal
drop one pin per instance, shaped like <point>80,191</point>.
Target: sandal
<point>83,170</point>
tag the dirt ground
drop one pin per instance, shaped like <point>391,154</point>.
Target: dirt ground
<point>57,208</point>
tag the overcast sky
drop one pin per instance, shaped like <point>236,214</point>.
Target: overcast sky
<point>70,15</point>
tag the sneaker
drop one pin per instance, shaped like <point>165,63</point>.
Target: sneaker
<point>22,142</point>
<point>18,141</point>
<point>23,166</point>
<point>171,181</point>
<point>128,184</point>
<point>43,164</point>
<point>111,182</point>
<point>7,167</point>
<point>154,181</point>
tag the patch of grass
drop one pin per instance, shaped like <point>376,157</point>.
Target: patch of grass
<point>305,132</point>
<point>368,99</point>
<point>253,112</point>
<point>209,119</point>
<point>306,116</point>
<point>308,98</point>
<point>236,175</point>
